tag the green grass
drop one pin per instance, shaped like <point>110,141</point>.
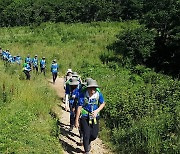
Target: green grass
<point>70,44</point>
<point>142,107</point>
<point>25,123</point>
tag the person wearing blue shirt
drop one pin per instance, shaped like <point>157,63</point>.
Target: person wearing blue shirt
<point>3,55</point>
<point>10,58</point>
<point>35,63</point>
<point>28,59</point>
<point>90,103</point>
<point>43,65</point>
<point>26,70</point>
<point>18,59</point>
<point>73,95</point>
<point>54,70</point>
<point>14,59</point>
<point>7,54</point>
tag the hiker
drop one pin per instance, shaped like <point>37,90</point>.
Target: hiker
<point>75,74</point>
<point>18,59</point>
<point>54,70</point>
<point>43,65</point>
<point>83,86</point>
<point>7,54</point>
<point>28,60</point>
<point>68,74</point>
<point>14,59</point>
<point>67,77</point>
<point>4,55</point>
<point>73,93</point>
<point>90,103</point>
<point>26,70</point>
<point>10,58</point>
<point>35,63</point>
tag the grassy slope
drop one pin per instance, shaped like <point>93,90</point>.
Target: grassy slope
<point>79,46</point>
<point>25,123</point>
<point>70,44</point>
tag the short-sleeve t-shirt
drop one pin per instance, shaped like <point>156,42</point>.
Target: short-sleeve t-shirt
<point>90,103</point>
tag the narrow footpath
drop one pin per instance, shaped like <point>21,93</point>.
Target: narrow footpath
<point>70,140</point>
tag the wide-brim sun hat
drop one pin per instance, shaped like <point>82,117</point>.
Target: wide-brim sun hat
<point>74,74</point>
<point>74,82</point>
<point>86,81</point>
<point>92,84</point>
<point>69,71</point>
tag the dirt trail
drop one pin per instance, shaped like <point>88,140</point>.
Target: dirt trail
<point>70,140</point>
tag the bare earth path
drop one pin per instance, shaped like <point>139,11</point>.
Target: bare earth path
<point>70,140</point>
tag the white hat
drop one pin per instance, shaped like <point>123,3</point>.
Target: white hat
<point>69,71</point>
<point>92,83</point>
<point>74,82</point>
<point>74,74</point>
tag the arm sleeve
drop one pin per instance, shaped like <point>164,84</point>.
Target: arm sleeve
<point>81,100</point>
<point>101,98</point>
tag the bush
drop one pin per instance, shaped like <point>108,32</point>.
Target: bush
<point>135,45</point>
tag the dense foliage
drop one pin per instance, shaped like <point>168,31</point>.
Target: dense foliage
<point>164,16</point>
<point>136,45</point>
<point>161,16</point>
<point>25,12</point>
<point>142,113</point>
<point>142,110</point>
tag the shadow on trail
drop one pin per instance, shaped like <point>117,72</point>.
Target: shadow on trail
<point>65,130</point>
<point>68,134</point>
<point>70,149</point>
<point>62,107</point>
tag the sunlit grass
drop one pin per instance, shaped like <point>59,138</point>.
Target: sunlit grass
<point>133,101</point>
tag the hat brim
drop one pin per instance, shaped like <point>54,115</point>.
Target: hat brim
<point>93,86</point>
<point>74,83</point>
<point>84,83</point>
<point>74,75</point>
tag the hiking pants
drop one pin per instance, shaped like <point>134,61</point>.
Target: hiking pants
<point>73,110</point>
<point>35,68</point>
<point>54,77</point>
<point>72,114</point>
<point>43,70</point>
<point>90,132</point>
<point>27,74</point>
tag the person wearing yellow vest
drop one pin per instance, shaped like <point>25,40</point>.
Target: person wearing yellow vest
<point>90,103</point>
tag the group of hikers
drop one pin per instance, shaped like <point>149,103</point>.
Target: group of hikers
<point>8,57</point>
<point>84,100</point>
<point>30,64</point>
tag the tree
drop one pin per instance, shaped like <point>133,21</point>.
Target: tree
<point>163,15</point>
<point>135,45</point>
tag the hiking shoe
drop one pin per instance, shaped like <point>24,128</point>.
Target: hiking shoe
<point>71,128</point>
<point>81,141</point>
<point>89,147</point>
